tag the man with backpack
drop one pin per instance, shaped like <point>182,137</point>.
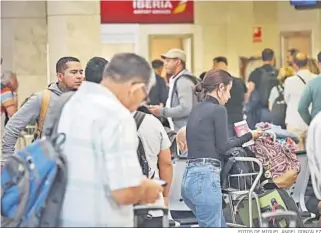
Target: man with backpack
<point>154,146</point>
<point>70,76</point>
<point>277,104</point>
<point>181,96</point>
<point>260,84</point>
<point>293,89</point>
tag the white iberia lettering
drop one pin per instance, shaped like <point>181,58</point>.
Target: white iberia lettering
<point>152,4</point>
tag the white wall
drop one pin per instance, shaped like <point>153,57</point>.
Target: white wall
<point>124,37</point>
<point>290,19</point>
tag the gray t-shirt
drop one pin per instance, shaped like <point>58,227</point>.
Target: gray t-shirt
<point>154,139</point>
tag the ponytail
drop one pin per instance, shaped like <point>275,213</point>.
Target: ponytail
<point>200,91</point>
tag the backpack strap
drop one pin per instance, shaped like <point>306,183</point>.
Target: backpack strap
<point>192,78</point>
<point>139,117</point>
<point>278,87</point>
<point>43,110</point>
<point>301,79</point>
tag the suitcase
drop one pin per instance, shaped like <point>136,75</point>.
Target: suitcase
<point>140,211</point>
<point>276,201</point>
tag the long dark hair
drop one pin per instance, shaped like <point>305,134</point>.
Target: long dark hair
<point>212,81</point>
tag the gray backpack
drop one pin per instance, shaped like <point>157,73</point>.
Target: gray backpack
<point>194,80</point>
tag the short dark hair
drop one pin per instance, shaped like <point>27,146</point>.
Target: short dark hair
<point>95,69</point>
<point>157,64</point>
<point>319,57</point>
<point>220,59</point>
<point>61,64</point>
<point>267,55</point>
<point>293,51</point>
<point>300,59</point>
<point>125,66</point>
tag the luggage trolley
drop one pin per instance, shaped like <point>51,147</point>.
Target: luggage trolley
<point>239,193</point>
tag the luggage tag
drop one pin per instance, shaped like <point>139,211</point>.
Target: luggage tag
<point>267,173</point>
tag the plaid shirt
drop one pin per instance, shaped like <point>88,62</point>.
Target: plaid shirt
<point>101,144</point>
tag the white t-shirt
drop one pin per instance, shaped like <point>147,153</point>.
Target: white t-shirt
<point>293,89</point>
<point>154,139</point>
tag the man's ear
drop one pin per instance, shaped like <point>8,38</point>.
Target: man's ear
<point>60,77</point>
<point>135,87</point>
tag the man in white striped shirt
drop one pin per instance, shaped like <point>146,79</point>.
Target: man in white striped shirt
<point>104,175</point>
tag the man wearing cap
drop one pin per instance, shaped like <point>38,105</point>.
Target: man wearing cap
<point>181,98</point>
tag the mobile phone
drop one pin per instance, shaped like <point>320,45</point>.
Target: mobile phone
<point>160,182</point>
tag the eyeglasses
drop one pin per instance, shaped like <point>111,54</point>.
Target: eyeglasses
<point>144,89</point>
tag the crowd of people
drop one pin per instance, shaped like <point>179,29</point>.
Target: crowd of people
<point>102,135</point>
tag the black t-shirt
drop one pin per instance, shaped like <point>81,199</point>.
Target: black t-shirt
<point>256,74</point>
<point>159,92</point>
<point>234,106</point>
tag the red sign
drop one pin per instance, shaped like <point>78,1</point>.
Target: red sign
<point>257,34</point>
<point>147,11</point>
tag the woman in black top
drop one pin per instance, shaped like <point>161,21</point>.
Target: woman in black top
<point>207,142</point>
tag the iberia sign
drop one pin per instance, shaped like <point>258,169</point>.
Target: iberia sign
<point>147,11</point>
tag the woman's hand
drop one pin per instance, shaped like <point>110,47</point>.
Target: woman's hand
<point>256,134</point>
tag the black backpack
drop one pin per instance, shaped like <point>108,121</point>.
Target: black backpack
<point>231,167</point>
<point>139,117</point>
<point>279,108</point>
<point>267,82</point>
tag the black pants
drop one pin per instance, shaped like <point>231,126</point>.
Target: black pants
<point>150,222</point>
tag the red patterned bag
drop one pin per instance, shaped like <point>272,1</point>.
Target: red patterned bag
<point>280,164</point>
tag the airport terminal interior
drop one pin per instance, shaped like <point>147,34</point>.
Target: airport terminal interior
<point>202,78</point>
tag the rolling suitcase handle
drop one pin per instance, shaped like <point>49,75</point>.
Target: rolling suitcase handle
<point>143,210</point>
<point>279,213</point>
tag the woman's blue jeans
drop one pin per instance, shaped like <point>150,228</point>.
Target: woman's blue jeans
<point>201,191</point>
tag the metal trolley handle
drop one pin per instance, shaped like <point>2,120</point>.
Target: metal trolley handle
<point>279,213</point>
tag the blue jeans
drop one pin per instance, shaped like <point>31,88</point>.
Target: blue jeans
<point>201,192</point>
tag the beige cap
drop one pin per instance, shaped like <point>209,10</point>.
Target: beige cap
<point>175,53</point>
